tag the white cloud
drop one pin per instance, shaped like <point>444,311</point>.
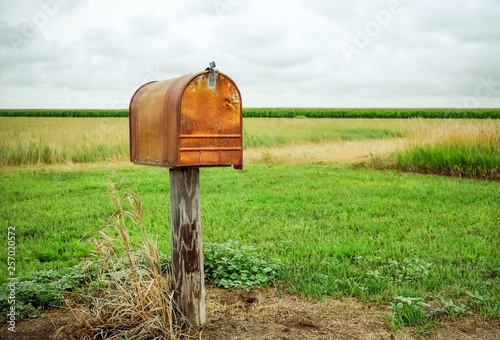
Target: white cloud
<point>69,53</point>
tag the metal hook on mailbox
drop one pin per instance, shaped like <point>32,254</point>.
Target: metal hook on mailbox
<point>213,75</point>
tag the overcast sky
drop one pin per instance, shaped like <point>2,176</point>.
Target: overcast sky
<point>316,53</point>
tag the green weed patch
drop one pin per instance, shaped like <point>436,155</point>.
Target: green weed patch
<point>456,150</point>
<point>231,265</point>
<point>479,161</point>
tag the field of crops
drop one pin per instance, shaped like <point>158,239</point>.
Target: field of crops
<point>284,113</point>
<point>463,148</point>
<point>36,141</point>
<point>371,113</point>
<point>63,113</point>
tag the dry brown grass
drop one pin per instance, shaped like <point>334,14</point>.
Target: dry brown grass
<point>41,141</point>
<point>133,299</point>
<point>344,152</point>
<point>455,132</point>
<point>469,149</point>
<point>270,314</point>
<point>70,141</point>
<point>35,141</point>
<point>417,132</point>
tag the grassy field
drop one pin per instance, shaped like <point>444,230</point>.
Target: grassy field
<point>462,148</point>
<point>389,237</point>
<point>458,148</point>
<point>343,232</point>
<point>36,141</point>
<point>273,132</point>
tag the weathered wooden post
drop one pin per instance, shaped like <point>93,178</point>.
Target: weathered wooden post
<point>186,123</point>
<point>188,280</point>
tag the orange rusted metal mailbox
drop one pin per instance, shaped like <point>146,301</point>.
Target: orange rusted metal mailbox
<point>190,121</point>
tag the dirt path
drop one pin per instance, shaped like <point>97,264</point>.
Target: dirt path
<point>268,314</point>
<point>331,152</point>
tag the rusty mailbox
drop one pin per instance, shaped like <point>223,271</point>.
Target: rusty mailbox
<point>190,121</point>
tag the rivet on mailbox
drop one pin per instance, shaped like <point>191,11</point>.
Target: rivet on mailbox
<point>191,121</point>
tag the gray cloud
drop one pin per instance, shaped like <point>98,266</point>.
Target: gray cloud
<point>69,53</point>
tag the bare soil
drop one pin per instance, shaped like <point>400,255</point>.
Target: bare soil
<point>269,314</point>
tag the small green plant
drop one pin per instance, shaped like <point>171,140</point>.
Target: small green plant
<point>486,304</point>
<point>410,311</point>
<point>448,307</point>
<point>40,289</point>
<point>231,265</point>
<point>408,270</point>
<point>477,298</point>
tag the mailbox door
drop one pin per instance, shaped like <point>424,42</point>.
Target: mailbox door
<point>210,123</point>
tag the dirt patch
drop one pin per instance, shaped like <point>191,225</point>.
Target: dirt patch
<point>331,152</point>
<point>40,328</point>
<point>268,314</point>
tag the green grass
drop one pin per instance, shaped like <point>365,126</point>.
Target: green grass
<point>466,160</point>
<point>285,112</point>
<point>459,150</point>
<point>39,141</point>
<point>338,231</point>
<point>273,132</point>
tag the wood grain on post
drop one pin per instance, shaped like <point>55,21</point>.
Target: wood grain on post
<point>188,279</point>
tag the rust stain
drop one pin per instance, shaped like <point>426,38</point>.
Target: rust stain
<point>180,122</point>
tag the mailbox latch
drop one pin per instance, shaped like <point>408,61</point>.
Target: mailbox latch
<point>213,75</point>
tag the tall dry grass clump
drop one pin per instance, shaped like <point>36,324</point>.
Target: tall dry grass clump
<point>455,148</point>
<point>432,132</point>
<point>133,299</point>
